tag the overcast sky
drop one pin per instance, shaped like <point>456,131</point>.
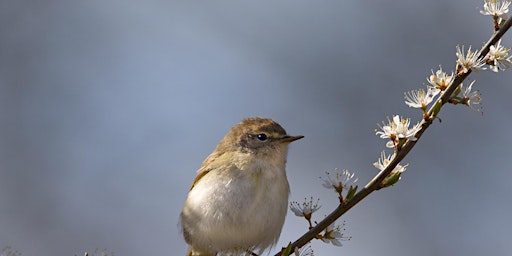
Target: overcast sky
<point>108,108</point>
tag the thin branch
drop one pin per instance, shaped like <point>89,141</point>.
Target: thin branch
<point>375,183</point>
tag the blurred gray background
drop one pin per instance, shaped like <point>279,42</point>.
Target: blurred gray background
<point>108,108</point>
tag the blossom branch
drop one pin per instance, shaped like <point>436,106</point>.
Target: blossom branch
<point>400,153</point>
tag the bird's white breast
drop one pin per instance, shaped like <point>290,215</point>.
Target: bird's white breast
<point>245,209</point>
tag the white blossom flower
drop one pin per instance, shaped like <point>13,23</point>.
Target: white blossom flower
<point>472,99</point>
<point>397,129</point>
<point>333,235</point>
<point>304,251</point>
<point>306,210</point>
<point>440,80</point>
<point>384,161</point>
<point>496,8</point>
<point>498,57</point>
<point>340,181</point>
<point>419,98</point>
<point>469,61</point>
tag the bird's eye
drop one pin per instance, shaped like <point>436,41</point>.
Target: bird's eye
<point>261,137</point>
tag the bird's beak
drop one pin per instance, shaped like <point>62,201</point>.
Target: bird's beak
<point>289,138</point>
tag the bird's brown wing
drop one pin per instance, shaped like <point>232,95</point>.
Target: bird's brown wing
<point>205,168</point>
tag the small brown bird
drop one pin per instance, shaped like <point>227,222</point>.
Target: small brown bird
<point>239,198</point>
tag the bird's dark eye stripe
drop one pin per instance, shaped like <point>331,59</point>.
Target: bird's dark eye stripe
<point>262,137</point>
